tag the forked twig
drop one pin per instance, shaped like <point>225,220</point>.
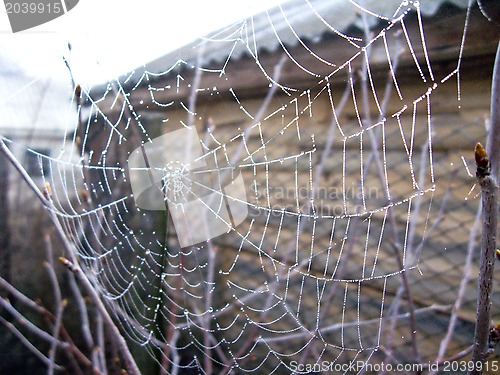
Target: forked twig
<point>21,298</point>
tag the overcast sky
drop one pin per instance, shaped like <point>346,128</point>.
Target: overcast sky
<point>111,37</point>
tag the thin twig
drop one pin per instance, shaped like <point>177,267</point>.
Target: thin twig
<point>340,326</point>
<point>118,339</point>
<point>415,254</point>
<point>101,358</point>
<point>489,201</point>
<point>383,109</point>
<point>22,320</point>
<point>21,298</point>
<point>60,304</point>
<point>208,306</point>
<point>208,365</point>
<point>493,145</point>
<point>84,320</point>
<point>461,290</point>
<point>453,358</point>
<point>257,119</point>
<point>380,172</point>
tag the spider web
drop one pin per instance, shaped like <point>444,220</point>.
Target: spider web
<point>335,215</point>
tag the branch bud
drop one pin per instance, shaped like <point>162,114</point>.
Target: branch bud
<point>482,161</point>
<point>67,264</point>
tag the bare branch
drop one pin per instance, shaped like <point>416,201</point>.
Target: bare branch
<point>59,303</point>
<point>101,358</point>
<point>21,298</point>
<point>489,202</point>
<point>31,327</point>
<point>80,275</point>
<point>29,345</point>
<point>82,307</point>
